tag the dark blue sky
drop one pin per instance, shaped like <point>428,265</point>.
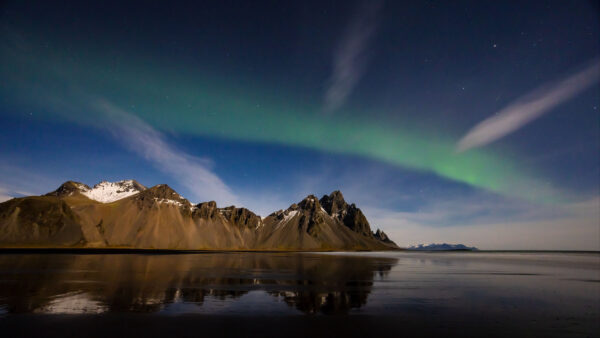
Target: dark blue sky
<point>407,107</point>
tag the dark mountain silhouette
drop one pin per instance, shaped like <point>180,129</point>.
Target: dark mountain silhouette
<point>441,247</point>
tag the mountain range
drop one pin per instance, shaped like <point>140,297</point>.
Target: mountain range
<point>441,247</point>
<point>126,214</point>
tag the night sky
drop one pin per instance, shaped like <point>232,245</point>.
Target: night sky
<point>472,122</point>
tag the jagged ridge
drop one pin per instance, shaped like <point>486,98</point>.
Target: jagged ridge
<point>131,215</point>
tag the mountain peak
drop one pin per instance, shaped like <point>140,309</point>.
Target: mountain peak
<point>161,190</point>
<point>351,216</point>
<point>337,195</point>
<point>334,202</point>
<point>104,191</point>
<point>380,235</point>
<point>123,184</point>
<point>162,194</point>
<point>241,217</point>
<point>68,188</point>
<point>310,203</point>
<point>207,210</point>
<point>107,192</point>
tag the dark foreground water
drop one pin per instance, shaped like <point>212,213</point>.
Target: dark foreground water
<point>300,294</point>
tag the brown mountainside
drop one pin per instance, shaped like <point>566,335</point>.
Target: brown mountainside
<point>126,214</point>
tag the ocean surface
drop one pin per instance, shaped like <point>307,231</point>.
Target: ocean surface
<point>300,294</point>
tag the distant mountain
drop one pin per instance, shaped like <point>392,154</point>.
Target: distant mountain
<point>442,247</point>
<point>126,214</point>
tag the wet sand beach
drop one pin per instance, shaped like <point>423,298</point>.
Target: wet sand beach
<point>494,294</point>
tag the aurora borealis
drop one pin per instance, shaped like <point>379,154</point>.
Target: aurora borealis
<point>203,109</point>
<point>177,75</point>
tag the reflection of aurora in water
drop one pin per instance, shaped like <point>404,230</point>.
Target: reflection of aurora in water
<point>147,283</point>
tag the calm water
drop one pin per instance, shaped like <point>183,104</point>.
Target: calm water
<point>462,293</point>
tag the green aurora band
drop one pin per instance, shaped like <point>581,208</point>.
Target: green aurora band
<point>175,98</point>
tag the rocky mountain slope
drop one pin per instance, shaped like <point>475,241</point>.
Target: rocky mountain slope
<point>126,214</point>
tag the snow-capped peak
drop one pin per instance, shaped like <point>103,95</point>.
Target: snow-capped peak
<point>107,192</point>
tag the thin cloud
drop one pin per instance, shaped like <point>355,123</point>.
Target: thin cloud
<point>349,58</point>
<point>528,108</point>
<point>18,181</point>
<point>140,137</point>
<point>4,195</point>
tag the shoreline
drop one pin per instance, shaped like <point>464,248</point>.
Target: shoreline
<point>116,250</point>
<point>161,251</point>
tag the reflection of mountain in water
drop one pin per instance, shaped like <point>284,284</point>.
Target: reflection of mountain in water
<point>146,283</point>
